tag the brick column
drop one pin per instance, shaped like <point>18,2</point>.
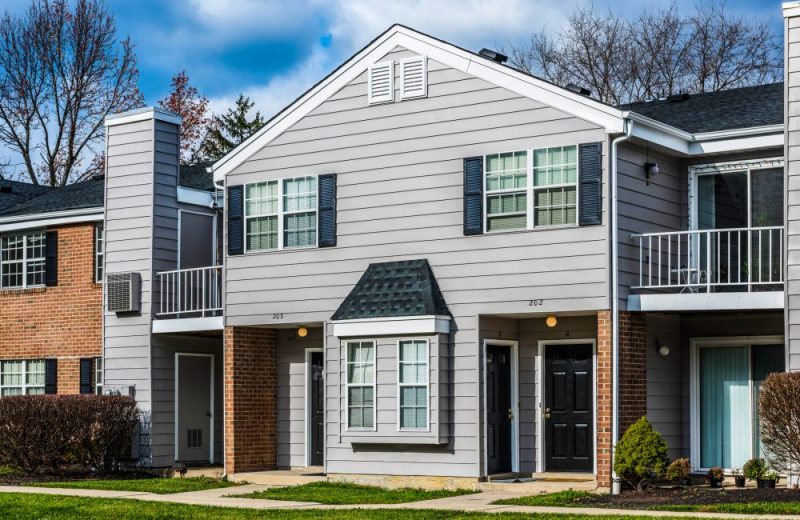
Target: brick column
<point>632,369</point>
<point>604,403</point>
<point>251,388</point>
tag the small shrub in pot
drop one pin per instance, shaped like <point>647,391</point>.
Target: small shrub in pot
<point>679,471</point>
<point>755,469</point>
<point>738,478</point>
<point>640,455</point>
<point>715,477</point>
<point>769,480</point>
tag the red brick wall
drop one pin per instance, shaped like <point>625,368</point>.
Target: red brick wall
<point>632,369</point>
<point>62,321</point>
<point>251,407</point>
<point>604,403</point>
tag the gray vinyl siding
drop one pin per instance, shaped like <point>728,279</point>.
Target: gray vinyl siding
<point>292,395</point>
<point>792,122</point>
<point>646,206</point>
<point>400,170</point>
<point>128,229</point>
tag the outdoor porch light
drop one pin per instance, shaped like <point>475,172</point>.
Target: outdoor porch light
<point>302,332</point>
<point>663,350</point>
<point>650,169</point>
<point>551,321</point>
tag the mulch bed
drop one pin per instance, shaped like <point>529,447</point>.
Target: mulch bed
<point>663,496</point>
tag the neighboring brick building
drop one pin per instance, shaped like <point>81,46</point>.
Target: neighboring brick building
<point>50,288</point>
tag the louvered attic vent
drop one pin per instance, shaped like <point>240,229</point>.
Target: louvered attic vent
<point>381,82</point>
<point>123,292</point>
<point>414,77</point>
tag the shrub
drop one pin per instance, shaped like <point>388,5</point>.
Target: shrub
<point>679,470</point>
<point>640,455</point>
<point>716,474</point>
<point>754,469</point>
<point>51,434</point>
<point>779,411</point>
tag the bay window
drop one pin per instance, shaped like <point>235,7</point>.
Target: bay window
<point>412,383</point>
<point>361,385</point>
<point>22,260</point>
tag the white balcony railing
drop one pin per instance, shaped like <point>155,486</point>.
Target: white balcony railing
<point>712,260</point>
<point>190,293</point>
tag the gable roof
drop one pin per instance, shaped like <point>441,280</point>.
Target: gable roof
<point>394,289</point>
<point>745,107</point>
<point>448,54</point>
<point>81,195</point>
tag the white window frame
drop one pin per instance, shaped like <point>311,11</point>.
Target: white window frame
<point>99,251</point>
<point>24,261</point>
<point>97,375</point>
<point>281,214</point>
<point>372,100</point>
<point>349,385</point>
<point>530,191</point>
<point>24,386</point>
<point>694,387</point>
<point>426,385</point>
<point>423,90</point>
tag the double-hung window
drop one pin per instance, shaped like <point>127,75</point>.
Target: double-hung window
<point>97,375</point>
<point>21,377</point>
<point>531,189</point>
<point>281,214</point>
<point>361,385</point>
<point>99,250</point>
<point>22,260</point>
<point>413,384</point>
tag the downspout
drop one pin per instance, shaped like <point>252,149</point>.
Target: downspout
<point>615,482</point>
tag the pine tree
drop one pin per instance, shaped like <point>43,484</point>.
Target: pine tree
<point>231,129</point>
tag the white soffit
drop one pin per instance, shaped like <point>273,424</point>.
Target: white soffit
<point>393,326</point>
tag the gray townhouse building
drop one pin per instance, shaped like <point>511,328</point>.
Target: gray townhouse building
<point>432,268</point>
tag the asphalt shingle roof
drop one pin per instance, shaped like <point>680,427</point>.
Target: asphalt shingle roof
<point>394,289</point>
<point>196,176</point>
<point>14,192</point>
<point>744,107</point>
<point>86,194</point>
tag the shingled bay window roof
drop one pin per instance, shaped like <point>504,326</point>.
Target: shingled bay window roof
<point>394,289</point>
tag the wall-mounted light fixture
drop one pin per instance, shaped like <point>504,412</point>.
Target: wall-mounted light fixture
<point>302,332</point>
<point>663,350</point>
<point>551,321</point>
<point>650,169</point>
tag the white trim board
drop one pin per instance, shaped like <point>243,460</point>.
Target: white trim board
<point>142,114</point>
<point>188,325</point>
<point>55,218</point>
<point>392,326</point>
<point>584,107</point>
<point>706,301</point>
<point>195,197</point>
<point>176,415</point>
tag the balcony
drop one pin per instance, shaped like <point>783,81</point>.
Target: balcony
<point>189,300</point>
<point>722,269</point>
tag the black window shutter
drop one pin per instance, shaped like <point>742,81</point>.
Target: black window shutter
<point>86,375</point>
<point>50,375</point>
<point>590,171</point>
<point>235,208</point>
<point>327,210</point>
<point>51,259</point>
<point>473,195</point>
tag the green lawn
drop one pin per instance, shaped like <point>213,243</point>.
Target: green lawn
<point>5,470</point>
<point>747,508</point>
<point>344,493</point>
<point>568,498</point>
<point>22,506</point>
<point>160,486</point>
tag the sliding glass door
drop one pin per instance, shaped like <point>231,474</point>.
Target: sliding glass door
<point>728,379</point>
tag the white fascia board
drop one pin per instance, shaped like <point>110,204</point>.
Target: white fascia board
<point>584,107</point>
<point>706,301</point>
<point>752,142</point>
<point>791,9</point>
<point>188,325</point>
<point>55,218</point>
<point>142,114</point>
<point>739,132</point>
<point>656,135</point>
<point>393,326</point>
<point>195,197</point>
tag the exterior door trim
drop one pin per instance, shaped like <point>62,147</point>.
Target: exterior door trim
<point>307,408</point>
<point>514,351</point>
<point>210,405</point>
<point>543,344</point>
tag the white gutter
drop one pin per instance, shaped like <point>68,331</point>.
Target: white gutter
<point>53,218</point>
<point>615,301</point>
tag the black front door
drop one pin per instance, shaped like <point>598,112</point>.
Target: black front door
<point>317,410</point>
<point>568,416</point>
<point>498,408</point>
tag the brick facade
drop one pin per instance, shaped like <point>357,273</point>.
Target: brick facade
<point>604,404</point>
<point>251,405</point>
<point>632,369</point>
<point>64,321</point>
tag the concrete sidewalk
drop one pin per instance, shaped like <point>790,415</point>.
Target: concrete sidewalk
<point>479,502</point>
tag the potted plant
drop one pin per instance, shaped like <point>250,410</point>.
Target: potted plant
<point>769,480</point>
<point>755,469</point>
<point>679,471</point>
<point>715,477</point>
<point>738,478</point>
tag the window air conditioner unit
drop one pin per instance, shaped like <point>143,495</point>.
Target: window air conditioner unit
<point>123,292</point>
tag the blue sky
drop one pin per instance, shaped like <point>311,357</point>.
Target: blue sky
<point>273,50</point>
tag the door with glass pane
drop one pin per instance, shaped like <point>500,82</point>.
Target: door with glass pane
<point>728,379</point>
